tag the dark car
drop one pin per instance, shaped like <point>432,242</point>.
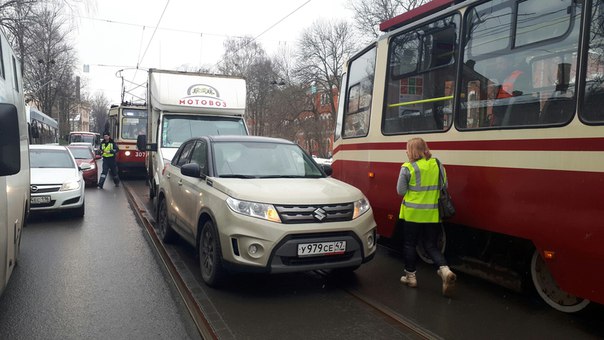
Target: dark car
<point>84,154</point>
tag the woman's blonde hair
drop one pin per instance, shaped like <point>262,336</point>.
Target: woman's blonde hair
<point>417,149</point>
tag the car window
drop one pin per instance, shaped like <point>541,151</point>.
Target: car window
<point>262,160</point>
<point>184,154</point>
<point>50,159</point>
<point>81,153</point>
<point>199,155</point>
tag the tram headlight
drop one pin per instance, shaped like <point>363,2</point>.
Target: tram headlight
<point>127,153</point>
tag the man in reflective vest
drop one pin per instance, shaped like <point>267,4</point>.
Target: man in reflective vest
<point>108,152</point>
<point>418,183</point>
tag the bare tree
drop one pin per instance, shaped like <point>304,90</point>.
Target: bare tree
<point>15,18</point>
<point>368,14</point>
<point>51,60</point>
<point>239,55</point>
<point>246,58</point>
<point>323,51</point>
<point>99,106</point>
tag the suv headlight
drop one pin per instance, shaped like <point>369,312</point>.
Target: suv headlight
<point>254,209</point>
<point>360,207</point>
<point>72,185</point>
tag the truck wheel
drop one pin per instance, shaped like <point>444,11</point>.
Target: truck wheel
<point>548,289</point>
<point>165,231</point>
<point>209,255</point>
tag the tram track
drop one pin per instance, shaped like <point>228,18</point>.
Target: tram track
<point>202,324</point>
<point>409,327</point>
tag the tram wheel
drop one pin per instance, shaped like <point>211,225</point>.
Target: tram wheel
<point>441,244</point>
<point>548,289</point>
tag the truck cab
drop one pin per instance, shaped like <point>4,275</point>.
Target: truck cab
<point>182,105</point>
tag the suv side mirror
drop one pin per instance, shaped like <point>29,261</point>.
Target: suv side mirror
<point>191,170</point>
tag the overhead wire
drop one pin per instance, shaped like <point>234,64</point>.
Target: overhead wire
<point>268,29</point>
<point>154,31</point>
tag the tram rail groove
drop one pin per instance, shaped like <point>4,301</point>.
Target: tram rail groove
<point>388,313</point>
<point>203,326</point>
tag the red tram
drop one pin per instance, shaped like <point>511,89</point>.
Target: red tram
<point>526,169</point>
<point>126,123</point>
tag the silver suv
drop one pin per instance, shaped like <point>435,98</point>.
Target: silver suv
<point>262,204</point>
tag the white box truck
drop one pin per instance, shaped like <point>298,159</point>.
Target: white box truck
<point>182,105</point>
<point>14,161</point>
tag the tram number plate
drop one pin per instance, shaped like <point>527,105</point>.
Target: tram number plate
<point>39,199</point>
<point>322,248</point>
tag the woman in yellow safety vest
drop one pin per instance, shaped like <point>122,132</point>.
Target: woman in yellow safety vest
<point>418,183</point>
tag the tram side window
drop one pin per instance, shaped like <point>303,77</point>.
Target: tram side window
<point>421,78</point>
<point>520,64</point>
<point>357,108</point>
<point>592,111</point>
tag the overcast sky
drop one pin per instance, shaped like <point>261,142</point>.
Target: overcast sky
<point>116,34</point>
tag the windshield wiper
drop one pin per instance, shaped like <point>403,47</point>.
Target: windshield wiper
<point>292,176</point>
<point>236,176</point>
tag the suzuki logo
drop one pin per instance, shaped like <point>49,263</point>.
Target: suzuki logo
<point>319,214</point>
<point>34,188</point>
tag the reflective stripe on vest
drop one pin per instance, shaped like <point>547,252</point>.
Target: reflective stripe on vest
<point>107,150</point>
<point>420,203</point>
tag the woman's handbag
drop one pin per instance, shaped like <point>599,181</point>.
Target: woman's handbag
<point>445,203</point>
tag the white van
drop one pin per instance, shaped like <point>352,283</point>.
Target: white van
<point>14,161</point>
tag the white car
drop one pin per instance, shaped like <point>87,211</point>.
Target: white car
<point>56,180</point>
<point>261,204</point>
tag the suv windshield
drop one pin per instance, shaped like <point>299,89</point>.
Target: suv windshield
<point>263,160</point>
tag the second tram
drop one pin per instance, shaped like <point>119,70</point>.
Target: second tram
<point>510,96</point>
<point>126,123</point>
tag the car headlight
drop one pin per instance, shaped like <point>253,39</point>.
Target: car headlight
<point>73,185</point>
<point>360,207</point>
<point>254,209</point>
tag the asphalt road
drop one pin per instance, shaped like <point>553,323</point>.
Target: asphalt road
<point>312,305</point>
<point>91,278</point>
<point>99,277</point>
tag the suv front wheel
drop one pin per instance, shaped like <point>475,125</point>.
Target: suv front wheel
<point>209,255</point>
<point>165,231</point>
